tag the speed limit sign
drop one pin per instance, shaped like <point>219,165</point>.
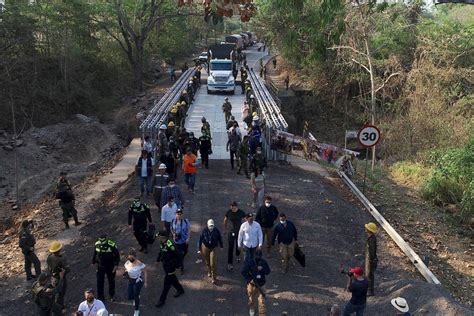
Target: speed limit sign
<point>368,136</point>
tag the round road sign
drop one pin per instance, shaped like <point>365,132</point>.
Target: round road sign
<point>368,136</point>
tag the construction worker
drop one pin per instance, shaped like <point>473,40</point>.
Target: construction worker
<point>140,214</point>
<point>161,182</point>
<point>209,241</point>
<point>66,199</point>
<point>227,109</point>
<point>243,152</point>
<point>206,127</point>
<point>173,113</point>
<point>181,115</point>
<point>371,259</point>
<point>162,141</point>
<point>287,235</point>
<point>57,263</point>
<point>27,244</point>
<point>106,258</point>
<point>254,272</point>
<point>248,92</point>
<point>171,130</point>
<point>169,256</point>
<point>44,295</point>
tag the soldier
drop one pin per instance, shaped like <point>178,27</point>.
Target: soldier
<point>27,244</point>
<point>254,272</point>
<point>169,256</point>
<point>258,160</point>
<point>371,259</point>
<point>243,152</point>
<point>106,258</point>
<point>66,199</point>
<point>44,295</point>
<point>227,109</point>
<point>140,214</point>
<point>243,78</point>
<point>206,127</point>
<point>57,264</point>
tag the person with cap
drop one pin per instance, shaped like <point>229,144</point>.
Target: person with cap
<point>287,235</point>
<point>401,306</point>
<point>172,190</point>
<point>254,272</point>
<point>168,213</point>
<point>137,275</point>
<point>233,145</point>
<point>162,141</point>
<point>169,256</point>
<point>206,127</point>
<point>160,183</point>
<point>190,169</point>
<point>357,285</point>
<point>139,214</point>
<point>250,237</point>
<point>209,241</point>
<point>91,305</point>
<point>181,232</point>
<point>227,109</point>
<point>66,199</point>
<point>205,149</point>
<point>243,153</point>
<point>144,172</point>
<point>266,217</point>
<point>181,115</point>
<point>371,259</point>
<point>27,245</point>
<point>106,258</point>
<point>44,295</point>
<point>57,263</point>
<point>147,146</point>
<point>236,217</point>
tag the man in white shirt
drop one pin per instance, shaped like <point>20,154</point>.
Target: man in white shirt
<point>250,237</point>
<point>91,305</point>
<point>168,213</point>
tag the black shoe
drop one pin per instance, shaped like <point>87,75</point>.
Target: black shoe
<point>77,223</point>
<point>160,303</point>
<point>178,294</point>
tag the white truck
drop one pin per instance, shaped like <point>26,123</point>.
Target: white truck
<point>221,67</point>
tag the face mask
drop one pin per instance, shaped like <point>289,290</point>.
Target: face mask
<point>131,259</point>
<point>283,222</point>
<point>268,204</point>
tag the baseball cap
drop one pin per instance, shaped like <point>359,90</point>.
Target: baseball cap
<point>210,223</point>
<point>179,211</point>
<point>357,270</point>
<point>162,166</point>
<point>250,214</point>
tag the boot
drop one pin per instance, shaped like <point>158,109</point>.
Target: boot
<point>76,220</point>
<point>67,224</point>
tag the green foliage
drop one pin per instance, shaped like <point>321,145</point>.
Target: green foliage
<point>452,179</point>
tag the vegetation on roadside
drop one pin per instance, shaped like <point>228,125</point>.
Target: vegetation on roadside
<point>405,67</point>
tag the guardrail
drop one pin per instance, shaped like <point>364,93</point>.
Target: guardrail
<point>407,250</point>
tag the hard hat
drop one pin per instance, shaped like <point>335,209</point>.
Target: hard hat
<point>162,166</point>
<point>252,96</point>
<point>171,124</point>
<point>190,81</point>
<point>254,114</point>
<point>183,102</point>
<point>371,227</point>
<point>255,118</point>
<point>400,304</point>
<point>185,92</point>
<point>163,126</point>
<point>55,246</point>
<point>226,98</point>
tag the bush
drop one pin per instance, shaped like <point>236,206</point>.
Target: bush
<point>452,179</point>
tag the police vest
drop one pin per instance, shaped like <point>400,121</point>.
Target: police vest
<point>105,246</point>
<point>168,245</point>
<point>138,208</point>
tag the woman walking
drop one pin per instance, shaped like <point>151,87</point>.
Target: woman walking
<point>137,277</point>
<point>257,181</point>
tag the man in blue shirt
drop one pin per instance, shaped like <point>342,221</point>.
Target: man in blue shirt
<point>287,236</point>
<point>209,240</point>
<point>358,286</point>
<point>181,232</point>
<point>254,272</point>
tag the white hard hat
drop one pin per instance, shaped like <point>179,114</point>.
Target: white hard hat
<point>400,304</point>
<point>255,118</point>
<point>162,166</point>
<point>210,223</point>
<point>163,126</point>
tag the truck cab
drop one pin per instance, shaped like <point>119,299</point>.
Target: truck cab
<point>221,65</point>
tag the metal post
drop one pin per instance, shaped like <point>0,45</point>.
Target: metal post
<point>365,172</point>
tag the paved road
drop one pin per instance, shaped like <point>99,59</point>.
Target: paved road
<point>210,106</point>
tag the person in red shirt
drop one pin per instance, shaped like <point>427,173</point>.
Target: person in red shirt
<point>189,168</point>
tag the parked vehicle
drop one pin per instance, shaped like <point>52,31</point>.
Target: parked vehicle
<point>237,40</point>
<point>221,65</point>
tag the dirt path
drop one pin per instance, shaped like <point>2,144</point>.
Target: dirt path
<point>330,229</point>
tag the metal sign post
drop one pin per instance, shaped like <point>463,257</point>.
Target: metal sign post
<point>368,137</point>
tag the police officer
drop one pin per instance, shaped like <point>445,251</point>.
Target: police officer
<point>44,295</point>
<point>140,214</point>
<point>169,256</point>
<point>106,258</point>
<point>66,199</point>
<point>56,264</point>
<point>27,244</point>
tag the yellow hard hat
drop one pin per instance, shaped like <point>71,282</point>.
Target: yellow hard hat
<point>371,227</point>
<point>171,124</point>
<point>174,109</point>
<point>55,246</point>
<point>254,114</point>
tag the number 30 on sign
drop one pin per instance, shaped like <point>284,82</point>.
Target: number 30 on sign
<point>369,136</point>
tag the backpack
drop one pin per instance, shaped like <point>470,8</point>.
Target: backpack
<point>151,233</point>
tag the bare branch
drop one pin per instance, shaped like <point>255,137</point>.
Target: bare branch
<point>386,80</point>
<point>348,47</point>
<point>361,64</point>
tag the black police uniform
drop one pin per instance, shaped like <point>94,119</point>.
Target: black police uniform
<point>169,256</point>
<point>140,213</point>
<point>106,257</point>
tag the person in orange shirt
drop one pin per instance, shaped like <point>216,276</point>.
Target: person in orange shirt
<point>189,168</point>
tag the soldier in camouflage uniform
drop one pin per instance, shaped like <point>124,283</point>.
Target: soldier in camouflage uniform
<point>56,265</point>
<point>66,200</point>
